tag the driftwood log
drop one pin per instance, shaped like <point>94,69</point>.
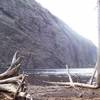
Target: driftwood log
<point>12,84</point>
<point>73,84</point>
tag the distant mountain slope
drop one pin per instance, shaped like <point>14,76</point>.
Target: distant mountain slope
<point>43,39</point>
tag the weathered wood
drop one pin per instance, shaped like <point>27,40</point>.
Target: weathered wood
<point>12,82</point>
<point>8,87</point>
<point>13,72</point>
<point>92,77</point>
<point>15,79</point>
<point>12,89</point>
<point>14,58</point>
<point>75,84</point>
<point>19,87</point>
<point>98,49</point>
<point>70,78</point>
<point>16,62</point>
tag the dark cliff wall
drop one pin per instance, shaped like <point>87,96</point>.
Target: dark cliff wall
<point>43,39</point>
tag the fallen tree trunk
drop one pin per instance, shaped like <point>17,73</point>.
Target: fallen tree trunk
<point>74,83</point>
<point>12,84</point>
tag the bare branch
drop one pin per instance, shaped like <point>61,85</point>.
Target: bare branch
<point>91,79</point>
<point>75,84</point>
<point>11,79</point>
<point>14,58</point>
<point>13,72</point>
<point>70,78</point>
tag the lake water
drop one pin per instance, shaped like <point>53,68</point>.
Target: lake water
<point>81,71</point>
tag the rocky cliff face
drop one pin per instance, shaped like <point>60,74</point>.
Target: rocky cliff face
<point>43,39</point>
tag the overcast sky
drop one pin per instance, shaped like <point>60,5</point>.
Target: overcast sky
<point>80,15</point>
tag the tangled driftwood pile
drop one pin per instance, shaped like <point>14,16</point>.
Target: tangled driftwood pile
<point>12,84</point>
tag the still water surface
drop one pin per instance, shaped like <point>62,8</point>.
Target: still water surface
<point>82,71</point>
